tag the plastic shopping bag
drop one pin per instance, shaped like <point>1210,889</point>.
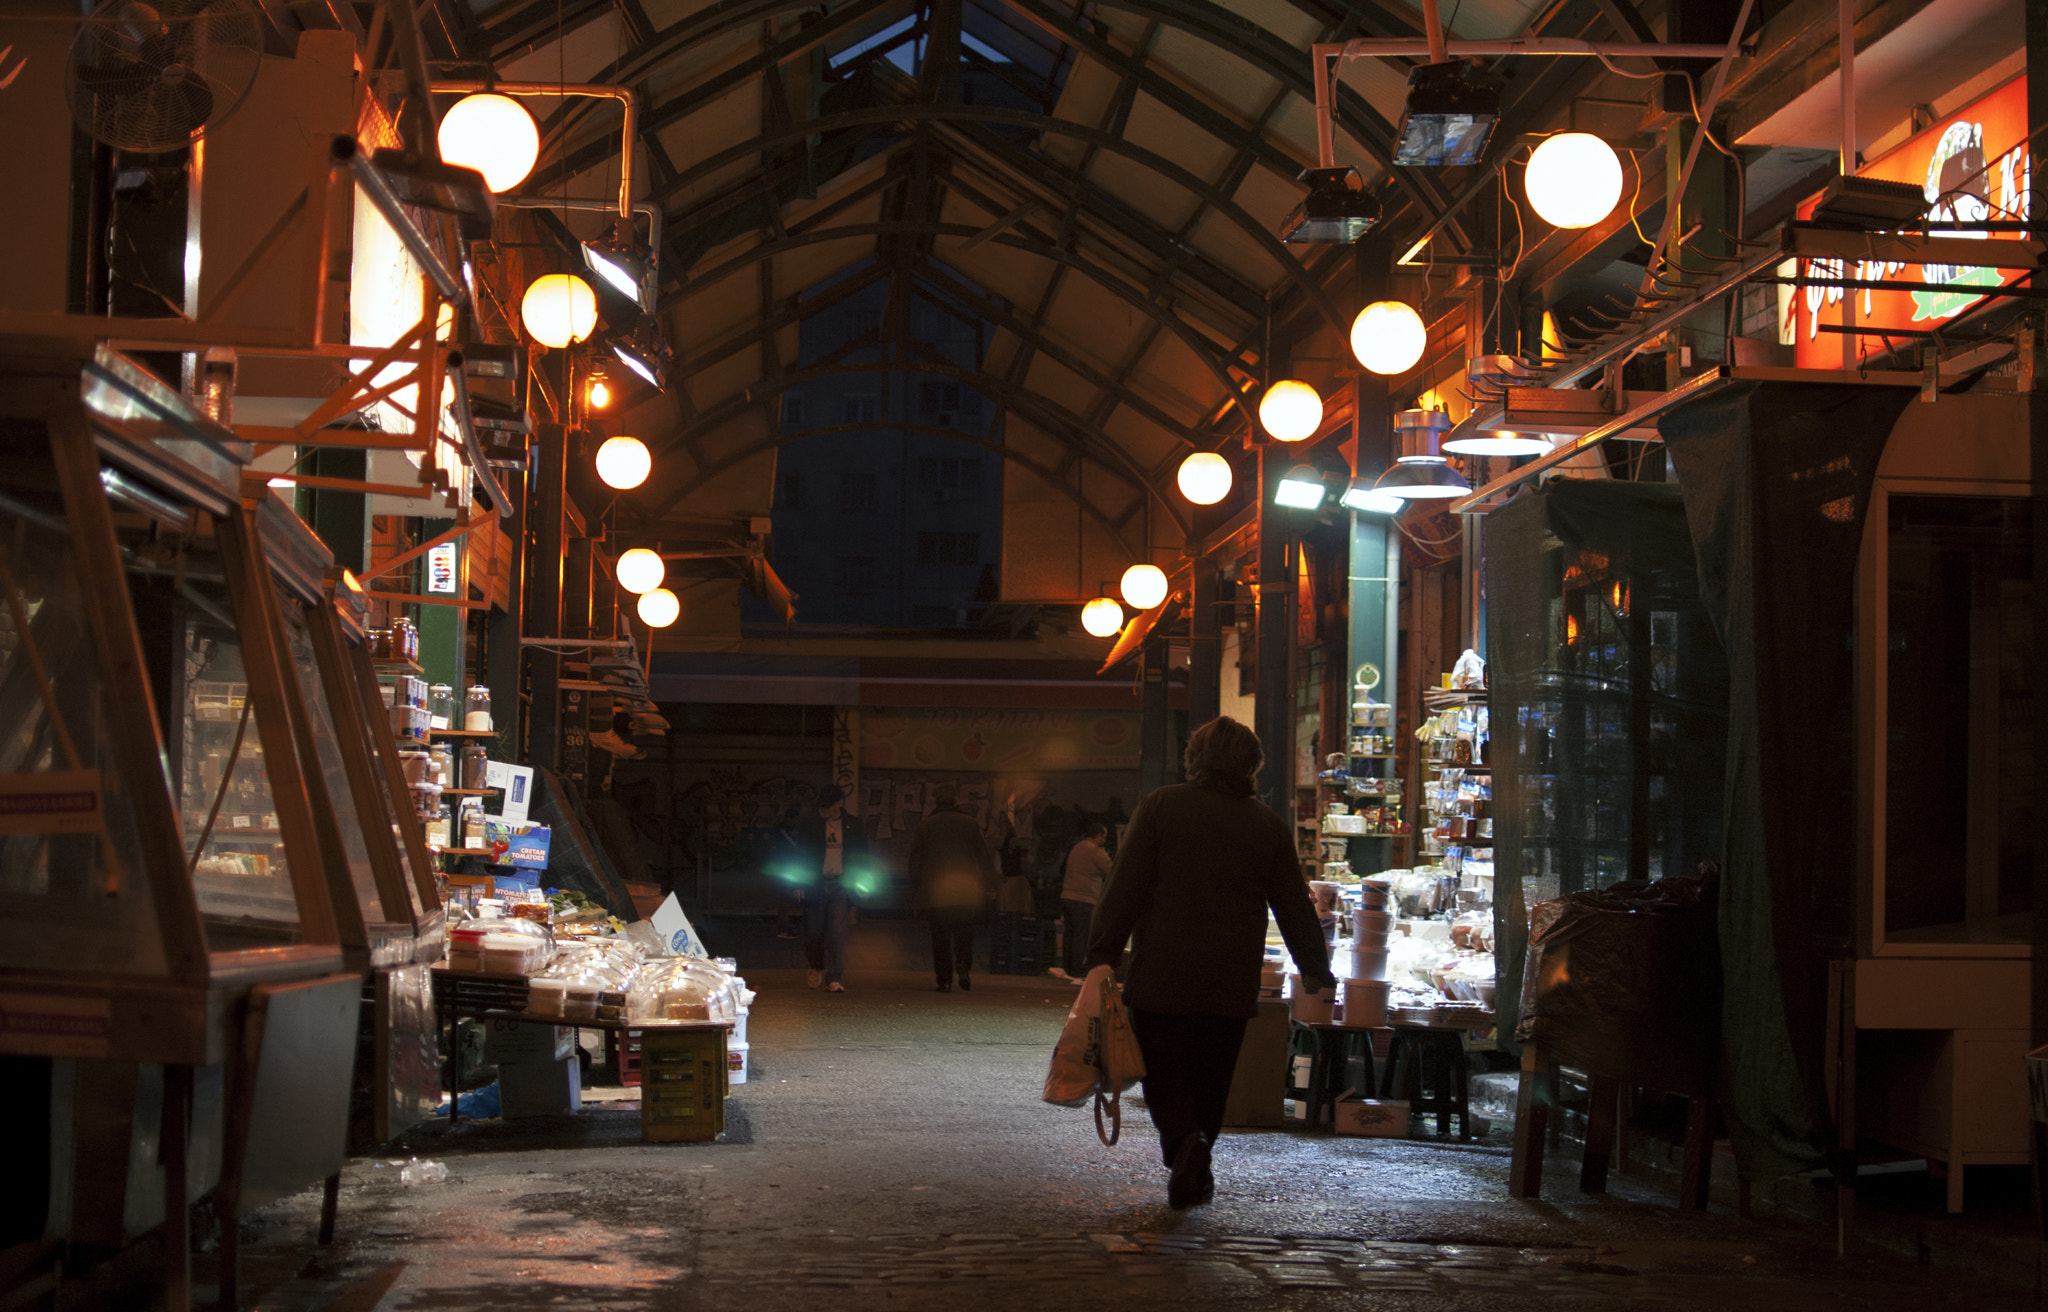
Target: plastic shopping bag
<point>1097,1055</point>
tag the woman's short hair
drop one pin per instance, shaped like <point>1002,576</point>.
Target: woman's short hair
<point>1224,746</point>
<point>1095,829</point>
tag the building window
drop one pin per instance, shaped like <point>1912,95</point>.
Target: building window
<point>856,491</point>
<point>938,398</point>
<point>949,548</point>
<point>950,477</point>
<point>856,574</point>
<point>792,410</point>
<point>792,490</point>
<point>860,408</point>
<point>859,323</point>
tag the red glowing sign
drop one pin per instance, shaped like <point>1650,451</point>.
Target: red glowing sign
<point>1973,165</point>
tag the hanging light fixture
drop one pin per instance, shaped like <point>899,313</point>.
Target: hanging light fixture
<point>1450,114</point>
<point>623,463</point>
<point>1573,180</point>
<point>1363,497</point>
<point>645,355</point>
<point>659,608</point>
<point>559,309</point>
<point>1484,442</point>
<point>640,570</point>
<point>1336,211</point>
<point>492,134</point>
<point>622,267</point>
<point>1301,488</point>
<point>600,393</point>
<point>1143,586</point>
<point>1388,337</point>
<point>1421,473</point>
<point>1291,410</point>
<point>1205,478</point>
<point>1102,617</point>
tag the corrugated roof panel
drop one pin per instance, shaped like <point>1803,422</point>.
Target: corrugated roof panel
<point>1165,132</point>
<point>1217,75</point>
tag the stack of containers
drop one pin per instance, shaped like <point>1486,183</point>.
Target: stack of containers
<point>1365,984</point>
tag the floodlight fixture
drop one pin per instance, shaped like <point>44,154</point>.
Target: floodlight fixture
<point>1300,488</point>
<point>1450,116</point>
<point>1337,210</point>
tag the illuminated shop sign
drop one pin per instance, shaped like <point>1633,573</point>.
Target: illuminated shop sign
<point>1973,166</point>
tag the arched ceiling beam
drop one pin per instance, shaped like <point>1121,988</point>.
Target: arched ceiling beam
<point>1041,412</point>
<point>1260,233</point>
<point>1203,349</point>
<point>775,441</point>
<point>1208,22</point>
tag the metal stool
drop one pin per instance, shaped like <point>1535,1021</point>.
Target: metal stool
<point>1434,1059</point>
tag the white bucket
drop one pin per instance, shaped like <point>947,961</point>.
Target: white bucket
<point>1371,924</point>
<point>1305,1007</point>
<point>1366,964</point>
<point>1365,1003</point>
<point>1369,942</point>
<point>736,1063</point>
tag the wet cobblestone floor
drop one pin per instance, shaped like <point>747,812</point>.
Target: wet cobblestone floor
<point>890,1152</point>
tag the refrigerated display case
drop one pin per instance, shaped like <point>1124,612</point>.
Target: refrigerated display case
<point>199,974</point>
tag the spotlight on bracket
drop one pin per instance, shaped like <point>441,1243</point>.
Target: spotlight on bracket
<point>1451,112</point>
<point>1337,210</point>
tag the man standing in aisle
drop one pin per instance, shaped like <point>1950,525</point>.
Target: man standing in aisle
<point>1087,867</point>
<point>823,838</point>
<point>953,873</point>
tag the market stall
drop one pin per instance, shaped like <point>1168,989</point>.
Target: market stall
<point>209,967</point>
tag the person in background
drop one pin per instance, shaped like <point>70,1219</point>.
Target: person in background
<point>953,875</point>
<point>823,839</point>
<point>1087,867</point>
<point>1199,865</point>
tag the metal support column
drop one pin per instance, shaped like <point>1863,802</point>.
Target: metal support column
<point>2037,420</point>
<point>1205,642</point>
<point>544,596</point>
<point>1154,731</point>
<point>502,629</point>
<point>1274,708</point>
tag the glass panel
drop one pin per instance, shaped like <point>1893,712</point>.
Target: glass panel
<point>77,900</point>
<point>1958,728</point>
<point>347,815</point>
<point>243,878</point>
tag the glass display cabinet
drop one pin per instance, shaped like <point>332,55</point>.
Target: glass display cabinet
<point>1931,1017</point>
<point>173,936</point>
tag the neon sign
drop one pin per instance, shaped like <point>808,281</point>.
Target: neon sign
<point>1973,166</point>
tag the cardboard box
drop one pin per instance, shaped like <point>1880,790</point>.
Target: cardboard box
<point>1371,1117</point>
<point>541,1088</point>
<point>524,1040</point>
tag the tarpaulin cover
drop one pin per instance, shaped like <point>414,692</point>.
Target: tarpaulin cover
<point>1777,479</point>
<point>1627,982</point>
<point>1607,697</point>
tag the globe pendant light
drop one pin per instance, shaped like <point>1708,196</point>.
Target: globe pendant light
<point>1205,478</point>
<point>623,462</point>
<point>1291,410</point>
<point>1102,617</point>
<point>1143,586</point>
<point>640,570</point>
<point>492,134</point>
<point>659,608</point>
<point>559,309</point>
<point>1388,337</point>
<point>1421,473</point>
<point>1573,180</point>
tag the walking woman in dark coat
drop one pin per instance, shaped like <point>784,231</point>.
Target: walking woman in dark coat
<point>1199,865</point>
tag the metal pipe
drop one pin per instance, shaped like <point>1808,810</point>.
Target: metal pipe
<point>1395,47</point>
<point>1326,126</point>
<point>348,154</point>
<point>479,463</point>
<point>652,211</point>
<point>1433,29</point>
<point>1845,22</point>
<point>628,133</point>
